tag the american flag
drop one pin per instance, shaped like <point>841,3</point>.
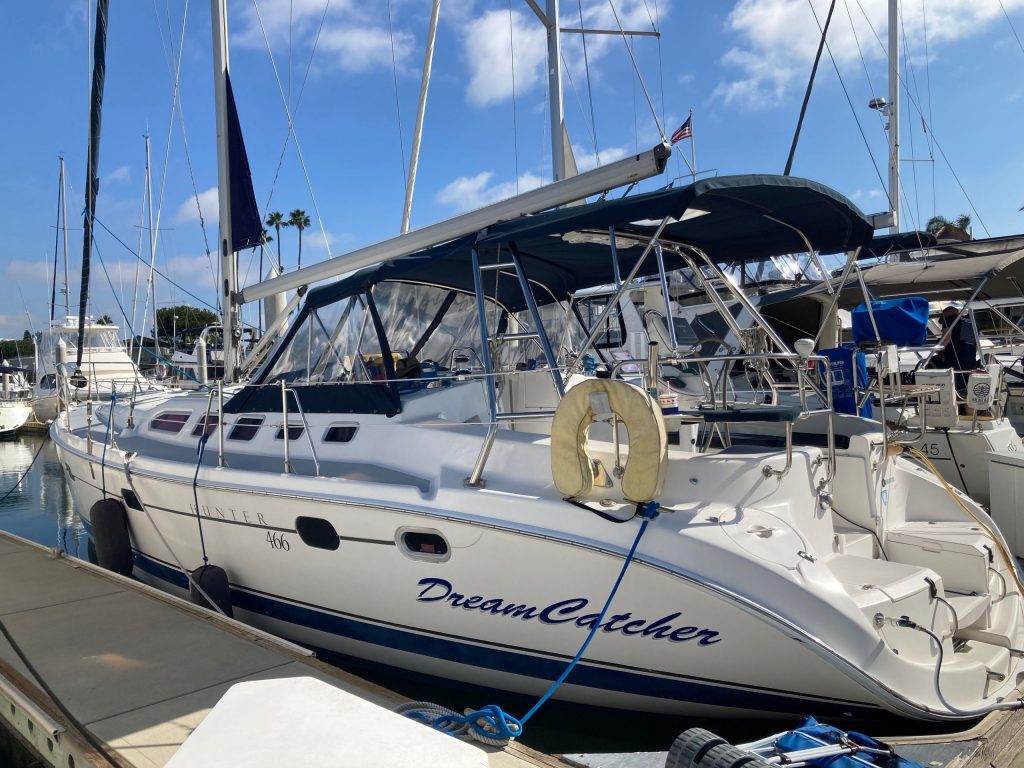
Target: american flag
<point>684,131</point>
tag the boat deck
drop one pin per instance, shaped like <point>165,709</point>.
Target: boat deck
<point>139,669</point>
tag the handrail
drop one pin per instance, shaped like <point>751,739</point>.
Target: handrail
<point>284,428</point>
<point>779,356</point>
<point>305,427</point>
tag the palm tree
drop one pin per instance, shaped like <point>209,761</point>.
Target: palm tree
<point>942,227</point>
<point>300,221</point>
<point>276,220</point>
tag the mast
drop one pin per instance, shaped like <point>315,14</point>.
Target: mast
<point>64,229</point>
<point>150,285</point>
<point>56,243</point>
<point>428,60</point>
<point>228,270</point>
<point>558,170</point>
<point>99,68</point>
<point>894,116</point>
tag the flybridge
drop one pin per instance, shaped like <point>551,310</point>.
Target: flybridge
<point>626,171</point>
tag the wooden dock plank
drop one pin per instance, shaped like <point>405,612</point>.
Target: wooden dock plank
<point>139,668</point>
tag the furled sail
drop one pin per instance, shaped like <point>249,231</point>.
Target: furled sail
<point>92,182</point>
<point>246,223</point>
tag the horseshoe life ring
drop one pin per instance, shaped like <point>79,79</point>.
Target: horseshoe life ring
<point>571,466</point>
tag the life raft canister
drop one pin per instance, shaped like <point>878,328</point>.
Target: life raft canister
<point>571,466</point>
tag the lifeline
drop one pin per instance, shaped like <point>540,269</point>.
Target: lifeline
<point>565,611</point>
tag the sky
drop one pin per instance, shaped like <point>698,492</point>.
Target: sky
<point>351,69</point>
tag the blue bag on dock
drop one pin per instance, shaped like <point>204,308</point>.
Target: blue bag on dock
<point>849,371</point>
<point>903,322</point>
<point>813,734</point>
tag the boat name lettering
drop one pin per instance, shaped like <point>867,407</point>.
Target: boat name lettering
<point>435,590</point>
<point>229,513</point>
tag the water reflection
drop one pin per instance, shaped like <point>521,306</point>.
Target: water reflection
<point>38,504</point>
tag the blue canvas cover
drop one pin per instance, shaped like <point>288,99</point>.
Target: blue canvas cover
<point>813,734</point>
<point>849,371</point>
<point>903,322</point>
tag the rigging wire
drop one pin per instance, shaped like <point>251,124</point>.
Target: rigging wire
<point>576,95</point>
<point>810,86</point>
<point>661,67</point>
<point>590,93</point>
<point>295,109</point>
<point>398,106</point>
<point>849,101</point>
<point>176,88</point>
<point>176,106</point>
<point>291,26</point>
<point>291,128</point>
<point>871,86</point>
<point>908,66</point>
<point>629,49</point>
<point>1012,28</point>
<point>515,121</point>
<point>636,124</point>
<point>863,61</point>
<point>928,127</point>
<point>157,271</point>
<point>928,75</point>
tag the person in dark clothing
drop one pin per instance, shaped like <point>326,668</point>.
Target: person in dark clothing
<point>961,351</point>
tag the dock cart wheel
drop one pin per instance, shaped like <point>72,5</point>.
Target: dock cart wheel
<point>690,746</point>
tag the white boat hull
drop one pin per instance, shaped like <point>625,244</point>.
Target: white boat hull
<point>13,415</point>
<point>724,611</point>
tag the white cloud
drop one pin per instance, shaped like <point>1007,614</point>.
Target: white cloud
<point>860,195</point>
<point>192,273</point>
<point>488,41</point>
<point>362,48</point>
<point>587,160</point>
<point>354,37</point>
<point>488,45</point>
<point>777,40</point>
<point>208,204</point>
<point>468,192</point>
<point>313,239</point>
<point>25,269</point>
<point>119,174</point>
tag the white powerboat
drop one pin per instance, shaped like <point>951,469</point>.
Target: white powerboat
<point>408,479</point>
<point>106,367</point>
<point>15,399</point>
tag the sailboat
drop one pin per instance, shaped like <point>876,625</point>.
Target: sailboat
<point>407,478</point>
<point>105,367</point>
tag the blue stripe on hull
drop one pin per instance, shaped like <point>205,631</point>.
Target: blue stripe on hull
<point>522,663</point>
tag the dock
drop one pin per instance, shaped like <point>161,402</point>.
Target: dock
<point>139,669</point>
<point>995,741</point>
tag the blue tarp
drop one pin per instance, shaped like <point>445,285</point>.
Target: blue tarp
<point>849,372</point>
<point>812,734</point>
<point>903,322</point>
